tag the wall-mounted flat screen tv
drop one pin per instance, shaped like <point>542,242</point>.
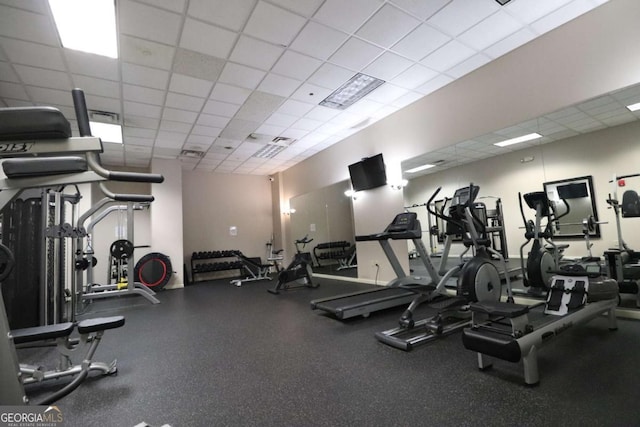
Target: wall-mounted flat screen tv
<point>368,173</point>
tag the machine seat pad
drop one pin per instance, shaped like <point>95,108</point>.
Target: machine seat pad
<point>37,123</point>
<point>39,333</point>
<point>487,342</point>
<point>100,324</point>
<point>499,308</point>
<point>43,166</point>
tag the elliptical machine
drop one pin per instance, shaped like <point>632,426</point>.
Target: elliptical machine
<point>478,279</point>
<point>299,270</point>
<point>542,261</point>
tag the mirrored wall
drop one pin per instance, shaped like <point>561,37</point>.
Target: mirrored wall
<point>326,216</point>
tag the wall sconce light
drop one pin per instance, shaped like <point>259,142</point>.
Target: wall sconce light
<point>288,211</point>
<point>351,193</point>
<point>399,185</point>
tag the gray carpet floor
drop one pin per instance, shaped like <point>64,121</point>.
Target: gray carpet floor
<point>213,354</point>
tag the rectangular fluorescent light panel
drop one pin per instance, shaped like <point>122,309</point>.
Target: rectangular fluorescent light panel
<point>419,168</point>
<point>356,88</point>
<point>518,140</point>
<point>269,151</point>
<point>634,107</point>
<point>107,132</point>
<point>88,26</point>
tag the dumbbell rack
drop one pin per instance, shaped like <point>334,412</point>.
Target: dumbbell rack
<point>199,266</point>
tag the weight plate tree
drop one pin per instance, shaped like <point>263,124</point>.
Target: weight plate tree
<point>153,270</point>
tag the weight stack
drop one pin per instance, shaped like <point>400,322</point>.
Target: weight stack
<point>22,234</point>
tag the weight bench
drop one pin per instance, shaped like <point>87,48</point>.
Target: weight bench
<point>39,151</point>
<point>91,332</point>
<point>254,266</point>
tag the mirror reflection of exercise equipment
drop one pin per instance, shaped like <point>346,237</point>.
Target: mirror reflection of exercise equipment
<point>623,263</point>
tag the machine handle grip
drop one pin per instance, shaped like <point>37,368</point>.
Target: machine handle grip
<point>119,197</point>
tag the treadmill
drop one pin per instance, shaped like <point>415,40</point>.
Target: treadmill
<point>405,226</point>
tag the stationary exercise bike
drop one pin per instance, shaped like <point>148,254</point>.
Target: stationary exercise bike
<point>542,261</point>
<point>298,271</point>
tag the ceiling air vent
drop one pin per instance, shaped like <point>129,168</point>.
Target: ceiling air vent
<point>191,154</point>
<point>104,117</point>
<point>273,147</point>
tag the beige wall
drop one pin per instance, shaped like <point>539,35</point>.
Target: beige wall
<point>215,202</point>
<point>587,57</point>
<point>600,154</point>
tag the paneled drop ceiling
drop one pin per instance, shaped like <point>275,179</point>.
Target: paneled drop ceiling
<point>224,78</point>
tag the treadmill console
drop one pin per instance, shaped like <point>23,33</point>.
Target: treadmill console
<point>403,222</point>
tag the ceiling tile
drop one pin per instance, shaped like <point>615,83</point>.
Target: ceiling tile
<point>145,52</point>
<point>310,93</point>
<point>184,102</point>
<point>421,42</point>
<point>227,93</point>
<point>414,76</point>
<point>447,56</point>
<point>331,76</point>
<point>255,53</point>
<point>212,121</point>
<point>303,7</point>
<point>386,93</point>
<point>387,66</point>
<point>44,96</point>
<point>94,86</point>
<point>530,12</point>
<point>273,24</point>
<point>307,124</point>
<point>407,99</point>
<point>228,14</point>
<point>271,130</point>
<point>322,113</point>
<point>278,119</point>
<point>142,110</point>
<point>198,36</point>
<point>387,26</point>
<point>198,65</point>
<point>560,16</point>
<point>207,131</point>
<point>219,108</point>
<point>489,31</point>
<point>296,65</point>
<point>148,22</point>
<point>420,8</point>
<point>199,140</point>
<point>27,53</point>
<point>259,106</point>
<point>468,65</point>
<point>355,54</point>
<point>307,40</point>
<point>459,15</point>
<point>174,5</point>
<point>13,90</point>
<point>295,108</point>
<point>42,77</point>
<point>92,65</point>
<point>334,13</point>
<point>144,76</point>
<point>143,94</point>
<point>141,122</point>
<point>240,75</point>
<point>179,115</point>
<point>190,85</point>
<point>510,42</point>
<point>175,126</point>
<point>434,84</point>
<point>279,85</point>
<point>7,74</point>
<point>29,26</point>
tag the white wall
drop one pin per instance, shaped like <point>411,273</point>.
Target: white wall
<point>587,57</point>
<point>600,154</point>
<point>215,202</point>
<point>166,217</point>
